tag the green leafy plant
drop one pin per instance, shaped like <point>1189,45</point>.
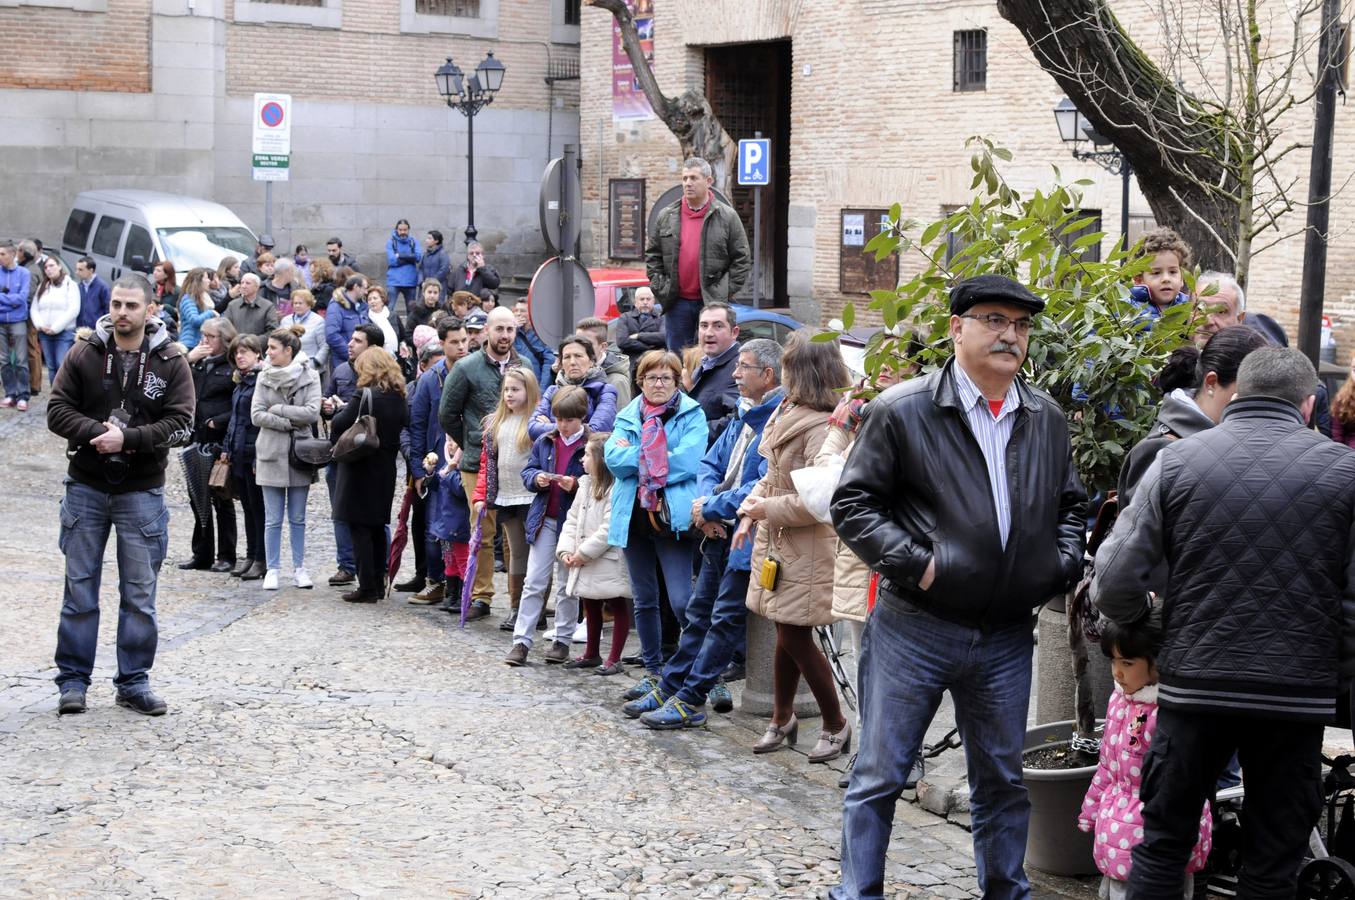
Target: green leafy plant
<point>1092,349</point>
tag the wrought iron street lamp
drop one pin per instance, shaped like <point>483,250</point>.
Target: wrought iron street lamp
<point>468,96</point>
<point>1074,129</point>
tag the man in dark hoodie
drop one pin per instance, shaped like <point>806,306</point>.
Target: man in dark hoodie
<point>436,264</point>
<point>122,398</point>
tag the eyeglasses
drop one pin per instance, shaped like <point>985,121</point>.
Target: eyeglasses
<point>740,366</point>
<point>660,379</point>
<point>998,323</point>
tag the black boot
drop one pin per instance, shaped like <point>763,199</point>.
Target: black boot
<point>451,603</point>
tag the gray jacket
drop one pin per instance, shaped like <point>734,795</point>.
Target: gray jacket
<point>1247,533</point>
<point>286,401</point>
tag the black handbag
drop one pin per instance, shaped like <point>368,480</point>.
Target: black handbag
<point>310,453</point>
<point>360,440</point>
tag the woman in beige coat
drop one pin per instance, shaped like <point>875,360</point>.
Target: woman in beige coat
<point>793,553</point>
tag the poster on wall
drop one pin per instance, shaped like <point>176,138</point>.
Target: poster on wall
<point>628,100</point>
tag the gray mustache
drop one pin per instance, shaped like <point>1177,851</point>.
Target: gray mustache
<point>1004,347</point>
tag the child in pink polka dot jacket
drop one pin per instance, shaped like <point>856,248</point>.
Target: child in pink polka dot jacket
<point>1112,808</point>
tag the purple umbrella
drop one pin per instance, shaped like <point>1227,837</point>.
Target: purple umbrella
<point>399,539</point>
<point>469,578</point>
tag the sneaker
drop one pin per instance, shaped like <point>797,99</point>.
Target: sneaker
<point>673,714</point>
<point>7,403</point>
<point>641,687</point>
<point>648,703</point>
<point>557,653</point>
<point>479,609</point>
<point>430,595</point>
<point>303,579</point>
<point>72,701</point>
<point>343,576</point>
<point>517,656</point>
<point>580,634</point>
<point>270,580</point>
<point>720,699</point>
<point>22,406</point>
<point>144,702</point>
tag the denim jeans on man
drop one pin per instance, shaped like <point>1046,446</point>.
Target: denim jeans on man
<point>1283,799</point>
<point>54,350</point>
<point>14,359</point>
<point>909,658</point>
<point>679,322</point>
<point>646,555</point>
<point>713,629</point>
<point>274,499</point>
<point>343,538</point>
<point>142,523</point>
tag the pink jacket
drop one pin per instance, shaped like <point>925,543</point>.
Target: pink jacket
<point>1112,806</point>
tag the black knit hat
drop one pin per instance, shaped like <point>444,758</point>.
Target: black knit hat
<point>992,289</point>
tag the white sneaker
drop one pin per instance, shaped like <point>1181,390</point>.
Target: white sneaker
<point>270,580</point>
<point>581,633</point>
<point>303,579</point>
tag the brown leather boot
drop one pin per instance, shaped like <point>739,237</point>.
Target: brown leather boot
<point>515,583</point>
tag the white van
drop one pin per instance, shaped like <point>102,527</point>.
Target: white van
<point>133,230</point>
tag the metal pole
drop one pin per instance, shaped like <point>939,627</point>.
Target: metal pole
<point>569,162</point>
<point>1126,170</point>
<point>757,239</point>
<point>268,207</point>
<point>1314,285</point>
<point>471,231</point>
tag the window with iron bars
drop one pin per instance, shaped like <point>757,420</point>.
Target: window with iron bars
<point>463,9</point>
<point>573,13</point>
<point>971,60</point>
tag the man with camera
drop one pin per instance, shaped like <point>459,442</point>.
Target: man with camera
<point>122,398</point>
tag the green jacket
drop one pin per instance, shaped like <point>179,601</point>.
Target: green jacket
<point>470,393</point>
<point>725,258</point>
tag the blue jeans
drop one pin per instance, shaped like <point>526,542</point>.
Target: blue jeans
<point>142,523</point>
<point>54,350</point>
<point>343,538</point>
<point>679,323</point>
<point>644,558</point>
<point>409,292</point>
<point>908,660</point>
<point>273,501</point>
<point>14,359</point>
<point>714,627</point>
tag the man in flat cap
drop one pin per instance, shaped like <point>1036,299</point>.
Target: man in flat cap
<point>960,492</point>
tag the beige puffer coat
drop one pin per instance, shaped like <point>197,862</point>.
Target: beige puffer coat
<point>805,547</point>
<point>851,578</point>
<point>585,533</point>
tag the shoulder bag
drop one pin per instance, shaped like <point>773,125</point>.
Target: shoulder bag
<point>360,440</point>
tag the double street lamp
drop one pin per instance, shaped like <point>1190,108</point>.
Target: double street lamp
<point>469,96</point>
<point>1073,129</point>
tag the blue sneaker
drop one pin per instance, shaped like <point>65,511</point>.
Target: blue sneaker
<point>720,699</point>
<point>641,687</point>
<point>674,714</point>
<point>649,702</point>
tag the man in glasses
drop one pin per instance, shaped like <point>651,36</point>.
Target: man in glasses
<point>960,492</point>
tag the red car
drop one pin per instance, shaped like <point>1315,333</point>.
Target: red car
<point>615,289</point>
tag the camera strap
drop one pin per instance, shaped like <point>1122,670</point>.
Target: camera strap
<point>126,396</point>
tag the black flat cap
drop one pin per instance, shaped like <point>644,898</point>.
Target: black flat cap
<point>992,289</point>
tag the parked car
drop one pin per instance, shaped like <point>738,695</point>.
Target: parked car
<point>615,290</point>
<point>132,229</point>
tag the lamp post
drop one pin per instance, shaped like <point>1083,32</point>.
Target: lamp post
<point>1073,129</point>
<point>468,96</point>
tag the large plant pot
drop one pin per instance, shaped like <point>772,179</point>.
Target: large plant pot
<point>1054,844</point>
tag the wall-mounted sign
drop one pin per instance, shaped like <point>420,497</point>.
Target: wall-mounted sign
<point>626,218</point>
<point>858,272</point>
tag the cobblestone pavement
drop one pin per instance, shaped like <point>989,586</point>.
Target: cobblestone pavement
<point>319,749</point>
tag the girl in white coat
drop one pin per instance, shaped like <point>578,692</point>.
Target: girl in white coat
<point>56,306</point>
<point>597,570</point>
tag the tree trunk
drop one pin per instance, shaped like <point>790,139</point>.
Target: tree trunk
<point>1176,145</point>
<point>688,116</point>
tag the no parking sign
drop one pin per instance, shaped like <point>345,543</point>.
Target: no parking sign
<point>272,136</point>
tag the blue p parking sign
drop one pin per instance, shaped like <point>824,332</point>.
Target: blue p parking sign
<point>755,162</point>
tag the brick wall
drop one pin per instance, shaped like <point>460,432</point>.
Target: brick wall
<point>60,49</point>
<point>874,121</point>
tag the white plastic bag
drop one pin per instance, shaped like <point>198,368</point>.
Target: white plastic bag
<point>815,485</point>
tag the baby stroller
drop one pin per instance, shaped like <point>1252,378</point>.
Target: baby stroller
<point>1329,873</point>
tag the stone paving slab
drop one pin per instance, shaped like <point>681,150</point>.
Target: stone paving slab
<point>319,749</point>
